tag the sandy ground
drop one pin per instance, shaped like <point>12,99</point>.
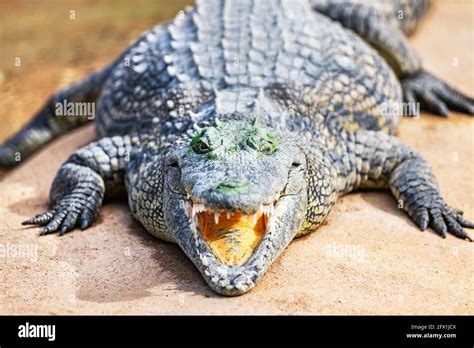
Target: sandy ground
<point>368,258</point>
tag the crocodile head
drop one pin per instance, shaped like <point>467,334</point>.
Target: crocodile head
<point>235,196</point>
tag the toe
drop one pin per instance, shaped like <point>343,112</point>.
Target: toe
<point>55,223</point>
<point>421,218</point>
<point>433,103</point>
<point>40,219</point>
<point>410,99</point>
<point>464,222</point>
<point>86,219</point>
<point>69,222</point>
<point>456,100</point>
<point>455,228</point>
<point>437,222</point>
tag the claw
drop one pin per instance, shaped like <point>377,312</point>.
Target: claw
<point>421,218</point>
<point>435,94</point>
<point>455,228</point>
<point>464,222</point>
<point>45,231</point>
<point>86,219</point>
<point>63,230</point>
<point>84,224</point>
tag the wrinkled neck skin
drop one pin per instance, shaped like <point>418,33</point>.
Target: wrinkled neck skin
<point>233,197</point>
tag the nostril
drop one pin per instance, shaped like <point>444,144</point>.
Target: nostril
<point>231,185</point>
<point>173,163</point>
<point>295,164</point>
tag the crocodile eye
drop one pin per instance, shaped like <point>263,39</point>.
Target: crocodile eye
<point>201,147</point>
<point>267,148</point>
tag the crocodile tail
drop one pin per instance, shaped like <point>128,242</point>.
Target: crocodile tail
<point>67,109</point>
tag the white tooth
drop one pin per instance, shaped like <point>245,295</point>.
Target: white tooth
<point>196,221</point>
<point>205,262</point>
<point>189,209</point>
<point>216,217</point>
<point>228,214</point>
<point>254,219</point>
<point>268,210</point>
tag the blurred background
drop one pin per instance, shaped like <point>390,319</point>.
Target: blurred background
<point>60,41</point>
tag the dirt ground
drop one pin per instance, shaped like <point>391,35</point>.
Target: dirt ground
<point>368,258</point>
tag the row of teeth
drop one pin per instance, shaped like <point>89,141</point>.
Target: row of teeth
<point>194,209</point>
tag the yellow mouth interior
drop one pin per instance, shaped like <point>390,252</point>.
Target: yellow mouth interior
<point>234,237</point>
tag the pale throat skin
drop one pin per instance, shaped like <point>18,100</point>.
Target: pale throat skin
<point>235,127</point>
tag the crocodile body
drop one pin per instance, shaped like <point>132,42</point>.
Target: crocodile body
<point>235,127</point>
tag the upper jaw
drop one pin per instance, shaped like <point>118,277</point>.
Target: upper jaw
<point>231,235</point>
<point>193,209</point>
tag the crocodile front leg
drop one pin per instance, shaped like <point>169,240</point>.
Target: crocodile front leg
<point>375,159</point>
<point>81,183</point>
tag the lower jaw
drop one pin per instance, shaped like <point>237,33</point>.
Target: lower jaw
<point>231,280</point>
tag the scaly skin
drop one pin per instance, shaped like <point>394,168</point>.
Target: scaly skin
<point>235,128</point>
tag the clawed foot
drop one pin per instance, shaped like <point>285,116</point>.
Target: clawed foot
<point>69,214</point>
<point>443,219</point>
<point>435,95</point>
<point>77,197</point>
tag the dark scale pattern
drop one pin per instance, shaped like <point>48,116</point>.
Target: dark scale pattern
<point>146,196</point>
<point>322,194</point>
<point>382,24</point>
<point>248,44</point>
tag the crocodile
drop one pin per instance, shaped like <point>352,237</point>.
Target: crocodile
<point>234,128</point>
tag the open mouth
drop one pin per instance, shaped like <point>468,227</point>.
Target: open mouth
<point>232,236</point>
